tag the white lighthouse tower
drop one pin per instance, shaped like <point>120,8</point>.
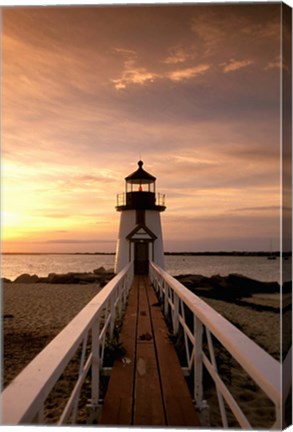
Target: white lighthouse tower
<point>140,233</point>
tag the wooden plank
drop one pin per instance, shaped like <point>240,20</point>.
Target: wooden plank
<point>144,329</point>
<point>117,408</point>
<point>148,403</point>
<point>177,398</point>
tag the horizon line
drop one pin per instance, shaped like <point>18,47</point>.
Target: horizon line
<point>219,252</point>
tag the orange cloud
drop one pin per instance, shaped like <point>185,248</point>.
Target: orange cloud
<point>179,55</point>
<point>140,75</point>
<point>188,73</point>
<point>234,65</point>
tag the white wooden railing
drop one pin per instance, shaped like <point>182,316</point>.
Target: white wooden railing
<point>23,401</point>
<point>264,370</point>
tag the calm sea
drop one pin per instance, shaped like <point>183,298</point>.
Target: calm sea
<point>259,268</point>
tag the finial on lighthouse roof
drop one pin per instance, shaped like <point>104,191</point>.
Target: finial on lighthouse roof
<point>140,175</point>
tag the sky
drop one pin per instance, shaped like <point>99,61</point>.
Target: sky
<point>192,90</point>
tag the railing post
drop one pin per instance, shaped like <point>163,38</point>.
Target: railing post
<point>112,312</point>
<point>124,293</point>
<point>95,364</point>
<point>166,288</point>
<point>219,394</point>
<point>39,417</point>
<point>198,393</point>
<point>93,406</point>
<point>278,415</point>
<point>121,297</point>
<point>176,313</point>
<point>161,287</point>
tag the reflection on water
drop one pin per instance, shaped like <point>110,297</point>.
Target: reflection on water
<point>259,268</point>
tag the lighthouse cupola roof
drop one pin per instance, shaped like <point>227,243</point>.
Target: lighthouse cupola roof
<point>140,176</point>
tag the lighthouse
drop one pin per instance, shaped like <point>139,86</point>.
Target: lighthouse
<point>140,233</point>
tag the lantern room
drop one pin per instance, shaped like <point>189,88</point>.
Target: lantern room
<point>140,192</point>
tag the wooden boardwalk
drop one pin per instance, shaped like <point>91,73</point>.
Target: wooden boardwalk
<point>147,386</point>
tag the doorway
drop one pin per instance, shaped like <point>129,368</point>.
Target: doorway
<point>141,257</point>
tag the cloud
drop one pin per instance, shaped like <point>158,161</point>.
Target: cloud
<point>234,65</point>
<point>257,209</point>
<point>263,29</point>
<point>139,75</point>
<point>188,73</point>
<point>277,63</point>
<point>133,75</point>
<point>179,55</point>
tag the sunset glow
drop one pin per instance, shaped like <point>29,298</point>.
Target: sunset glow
<point>194,91</point>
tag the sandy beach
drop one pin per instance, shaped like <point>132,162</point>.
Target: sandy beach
<point>33,315</point>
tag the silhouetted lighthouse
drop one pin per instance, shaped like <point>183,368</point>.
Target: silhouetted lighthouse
<point>140,233</point>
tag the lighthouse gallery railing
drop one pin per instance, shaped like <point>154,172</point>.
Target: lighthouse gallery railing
<point>258,364</point>
<point>22,402</point>
<point>121,199</point>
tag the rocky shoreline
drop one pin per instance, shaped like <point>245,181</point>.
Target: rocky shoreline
<point>99,275</point>
<point>234,288</point>
<point>228,288</point>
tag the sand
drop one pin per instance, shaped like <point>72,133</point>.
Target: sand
<point>262,327</point>
<point>33,315</point>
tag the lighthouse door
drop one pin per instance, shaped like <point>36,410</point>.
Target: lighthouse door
<point>141,257</point>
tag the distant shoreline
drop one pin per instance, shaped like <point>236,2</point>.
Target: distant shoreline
<point>218,253</point>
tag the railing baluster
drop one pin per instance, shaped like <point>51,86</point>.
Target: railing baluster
<point>113,317</point>
<point>187,350</point>
<point>95,385</point>
<point>81,365</point>
<point>219,394</point>
<point>165,298</point>
<point>176,313</point>
<point>198,391</point>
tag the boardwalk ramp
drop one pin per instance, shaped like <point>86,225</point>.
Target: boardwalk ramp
<point>147,386</point>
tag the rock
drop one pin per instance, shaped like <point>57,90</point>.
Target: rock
<point>105,278</point>
<point>71,278</point>
<point>229,288</point>
<point>67,278</point>
<point>100,276</point>
<point>99,270</point>
<point>86,278</point>
<point>248,286</point>
<point>26,278</point>
<point>5,280</point>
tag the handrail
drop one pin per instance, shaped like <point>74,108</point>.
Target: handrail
<point>260,366</point>
<point>23,400</point>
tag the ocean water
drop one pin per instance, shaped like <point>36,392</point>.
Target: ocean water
<point>259,268</point>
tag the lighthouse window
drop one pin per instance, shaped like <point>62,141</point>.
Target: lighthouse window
<point>140,216</point>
